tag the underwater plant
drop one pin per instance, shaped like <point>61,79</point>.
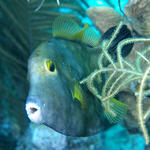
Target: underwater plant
<point>42,2</point>
<point>29,27</point>
<point>119,75</point>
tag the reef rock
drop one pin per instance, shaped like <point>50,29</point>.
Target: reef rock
<point>40,137</point>
<point>104,17</point>
<point>118,138</point>
<point>138,13</point>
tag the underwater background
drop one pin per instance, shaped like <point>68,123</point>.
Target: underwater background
<point>23,26</point>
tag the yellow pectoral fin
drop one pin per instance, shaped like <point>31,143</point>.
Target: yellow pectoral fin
<point>65,27</point>
<point>117,110</point>
<point>78,94</point>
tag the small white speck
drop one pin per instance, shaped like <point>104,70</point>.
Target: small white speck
<point>36,116</point>
<point>58,2</point>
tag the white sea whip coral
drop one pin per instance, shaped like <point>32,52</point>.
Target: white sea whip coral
<point>42,2</point>
<point>127,72</point>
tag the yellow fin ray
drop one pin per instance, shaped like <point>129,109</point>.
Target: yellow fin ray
<point>90,37</point>
<point>86,25</point>
<point>65,27</point>
<point>78,94</point>
<point>117,110</point>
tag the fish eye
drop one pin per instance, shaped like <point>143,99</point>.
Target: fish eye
<point>50,66</point>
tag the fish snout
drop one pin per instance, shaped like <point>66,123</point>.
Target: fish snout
<point>33,110</point>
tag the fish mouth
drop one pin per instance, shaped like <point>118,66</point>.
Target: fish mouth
<point>34,112</point>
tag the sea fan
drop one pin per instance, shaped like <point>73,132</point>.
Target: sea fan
<point>119,75</point>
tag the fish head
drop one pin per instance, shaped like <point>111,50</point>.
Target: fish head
<point>52,71</point>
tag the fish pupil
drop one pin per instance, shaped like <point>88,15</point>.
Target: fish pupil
<point>52,67</point>
<point>33,110</point>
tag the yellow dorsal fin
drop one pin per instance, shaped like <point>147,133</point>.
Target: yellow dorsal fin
<point>90,37</point>
<point>86,25</point>
<point>117,110</point>
<point>78,94</point>
<point>79,35</point>
<point>65,27</point>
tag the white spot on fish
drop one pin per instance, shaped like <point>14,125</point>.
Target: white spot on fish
<point>34,112</point>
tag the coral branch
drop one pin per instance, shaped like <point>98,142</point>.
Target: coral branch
<point>115,83</point>
<point>128,41</point>
<point>127,71</point>
<point>107,83</point>
<point>140,108</point>
<point>143,57</point>
<point>146,115</point>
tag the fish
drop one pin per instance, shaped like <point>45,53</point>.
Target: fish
<point>56,98</point>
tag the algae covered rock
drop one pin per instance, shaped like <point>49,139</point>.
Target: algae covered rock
<point>40,137</point>
<point>118,138</point>
<point>138,13</point>
<point>104,17</point>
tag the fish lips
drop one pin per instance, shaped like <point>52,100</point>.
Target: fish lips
<point>33,110</point>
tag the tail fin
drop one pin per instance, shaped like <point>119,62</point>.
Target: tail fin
<point>116,111</point>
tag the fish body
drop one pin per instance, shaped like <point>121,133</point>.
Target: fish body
<point>56,98</point>
<point>61,103</point>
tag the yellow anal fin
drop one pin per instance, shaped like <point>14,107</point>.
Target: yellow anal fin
<point>65,27</point>
<point>79,95</point>
<point>90,37</point>
<point>116,112</point>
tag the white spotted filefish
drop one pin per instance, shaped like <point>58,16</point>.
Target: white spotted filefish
<point>56,98</point>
